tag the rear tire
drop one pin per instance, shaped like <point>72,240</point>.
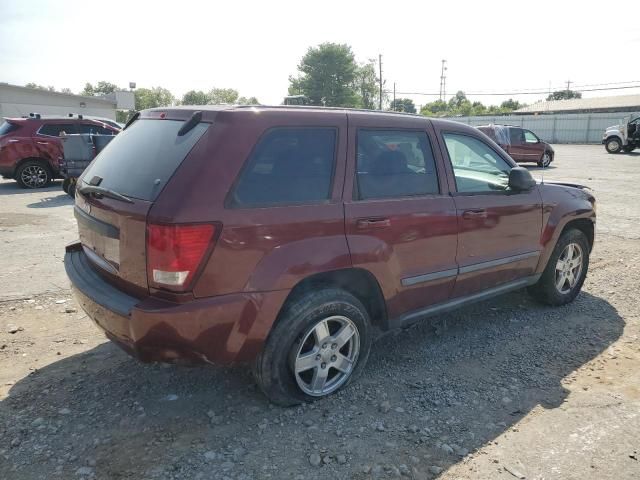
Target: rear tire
<point>613,145</point>
<point>320,343</point>
<point>566,270</point>
<point>65,185</point>
<point>33,174</point>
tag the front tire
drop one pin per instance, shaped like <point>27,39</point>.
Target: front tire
<point>613,145</point>
<point>545,160</point>
<point>320,343</point>
<point>33,174</point>
<point>566,270</point>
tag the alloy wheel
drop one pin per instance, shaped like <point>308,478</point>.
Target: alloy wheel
<point>568,268</point>
<point>326,356</point>
<point>34,176</point>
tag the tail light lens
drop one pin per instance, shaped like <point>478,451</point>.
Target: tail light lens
<point>175,252</point>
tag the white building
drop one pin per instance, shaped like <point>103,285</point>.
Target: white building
<point>16,101</point>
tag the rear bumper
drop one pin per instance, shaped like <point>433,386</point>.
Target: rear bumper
<point>224,329</point>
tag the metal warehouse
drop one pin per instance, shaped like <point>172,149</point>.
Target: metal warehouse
<point>17,101</point>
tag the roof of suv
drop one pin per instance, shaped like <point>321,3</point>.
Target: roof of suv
<point>183,111</point>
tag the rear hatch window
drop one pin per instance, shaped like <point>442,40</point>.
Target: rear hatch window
<point>8,127</point>
<point>139,162</point>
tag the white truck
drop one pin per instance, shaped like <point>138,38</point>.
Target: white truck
<point>624,137</point>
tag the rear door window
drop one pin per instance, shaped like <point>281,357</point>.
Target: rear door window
<point>288,166</point>
<point>395,163</point>
<point>94,129</point>
<point>56,129</point>
<point>517,136</point>
<point>140,161</point>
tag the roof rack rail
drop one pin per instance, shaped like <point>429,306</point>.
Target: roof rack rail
<point>79,115</point>
<point>34,115</point>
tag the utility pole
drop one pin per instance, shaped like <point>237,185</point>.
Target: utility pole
<point>394,96</point>
<point>569,82</point>
<point>443,80</point>
<point>380,70</point>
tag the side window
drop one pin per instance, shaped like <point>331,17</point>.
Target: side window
<point>395,163</point>
<point>94,129</point>
<point>56,129</point>
<point>529,137</point>
<point>476,166</point>
<point>517,137</point>
<point>288,166</point>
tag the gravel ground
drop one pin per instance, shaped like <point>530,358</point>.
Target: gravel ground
<point>500,390</point>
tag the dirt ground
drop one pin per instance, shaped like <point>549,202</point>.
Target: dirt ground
<point>500,390</point>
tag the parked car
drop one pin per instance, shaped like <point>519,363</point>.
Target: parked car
<point>521,144</point>
<point>31,150</point>
<point>290,237</point>
<point>78,152</point>
<point>624,137</point>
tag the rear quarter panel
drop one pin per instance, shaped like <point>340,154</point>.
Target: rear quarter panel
<point>561,205</point>
<point>259,249</point>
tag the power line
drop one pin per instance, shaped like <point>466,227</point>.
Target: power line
<point>522,92</point>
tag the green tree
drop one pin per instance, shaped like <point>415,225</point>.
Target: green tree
<point>327,76</point>
<point>511,105</point>
<point>367,86</point>
<point>50,88</point>
<point>403,105</point>
<point>152,98</point>
<point>218,96</point>
<point>101,88</point>
<point>433,109</point>
<point>248,101</point>
<point>195,97</point>
<point>564,95</point>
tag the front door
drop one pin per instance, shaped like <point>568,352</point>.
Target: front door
<point>499,229</point>
<point>400,221</point>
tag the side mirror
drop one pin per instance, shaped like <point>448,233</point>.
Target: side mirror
<point>520,179</point>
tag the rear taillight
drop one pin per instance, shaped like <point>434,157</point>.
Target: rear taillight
<point>175,253</point>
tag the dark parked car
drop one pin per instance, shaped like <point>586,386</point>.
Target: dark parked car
<point>523,145</point>
<point>31,150</point>
<point>290,237</point>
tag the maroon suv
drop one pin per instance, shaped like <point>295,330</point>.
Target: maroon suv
<point>31,150</point>
<point>523,145</point>
<point>290,237</point>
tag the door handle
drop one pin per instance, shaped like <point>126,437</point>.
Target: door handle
<point>43,143</point>
<point>474,213</point>
<point>13,140</point>
<point>373,223</point>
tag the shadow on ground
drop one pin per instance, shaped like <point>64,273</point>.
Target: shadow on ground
<point>49,202</point>
<point>12,188</point>
<point>462,380</point>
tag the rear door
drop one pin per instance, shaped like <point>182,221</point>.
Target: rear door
<point>517,148</point>
<point>47,140</point>
<point>400,221</point>
<point>137,164</point>
<point>499,229</point>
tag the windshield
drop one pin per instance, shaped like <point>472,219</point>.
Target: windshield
<point>140,161</point>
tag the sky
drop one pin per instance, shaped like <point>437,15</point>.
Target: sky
<point>490,46</point>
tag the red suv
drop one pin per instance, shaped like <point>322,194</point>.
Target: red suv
<point>290,237</point>
<point>523,145</point>
<point>31,150</point>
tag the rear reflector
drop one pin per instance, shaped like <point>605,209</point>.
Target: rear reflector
<point>175,252</point>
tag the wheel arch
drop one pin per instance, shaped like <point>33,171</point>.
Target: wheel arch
<point>585,225</point>
<point>358,282</point>
<point>42,160</point>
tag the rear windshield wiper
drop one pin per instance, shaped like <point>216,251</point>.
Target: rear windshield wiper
<point>104,192</point>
